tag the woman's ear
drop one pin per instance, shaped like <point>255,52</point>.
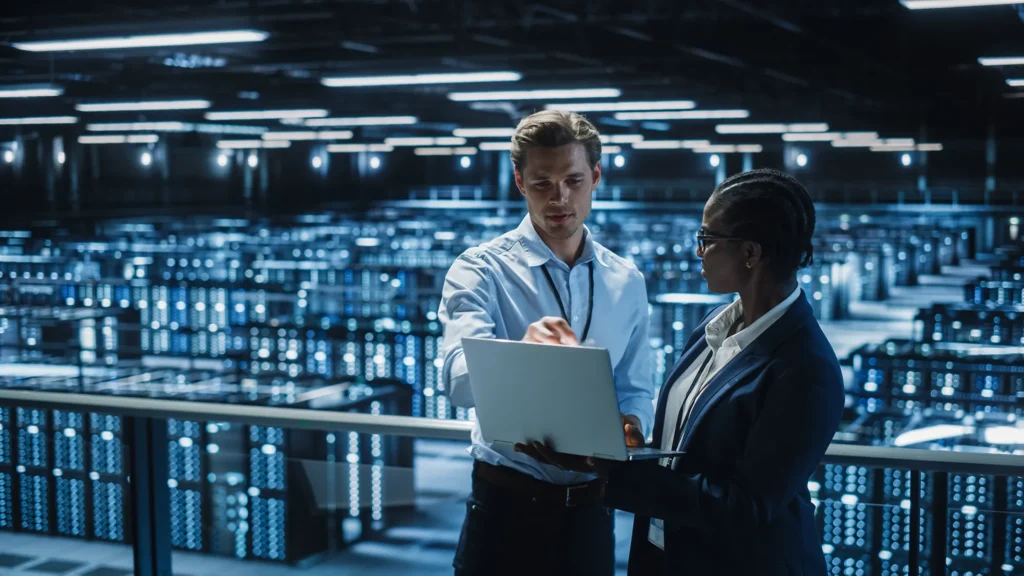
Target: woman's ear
<point>752,252</point>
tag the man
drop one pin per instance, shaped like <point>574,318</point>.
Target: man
<point>548,282</point>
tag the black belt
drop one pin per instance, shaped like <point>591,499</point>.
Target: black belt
<point>588,494</point>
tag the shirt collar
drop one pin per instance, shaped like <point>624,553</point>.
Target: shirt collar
<point>538,253</point>
<point>717,330</point>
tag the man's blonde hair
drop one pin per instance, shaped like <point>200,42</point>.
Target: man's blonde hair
<point>552,129</point>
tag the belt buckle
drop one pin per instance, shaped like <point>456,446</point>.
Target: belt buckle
<point>568,495</point>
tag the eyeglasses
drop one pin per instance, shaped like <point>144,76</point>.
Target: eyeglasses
<point>704,237</point>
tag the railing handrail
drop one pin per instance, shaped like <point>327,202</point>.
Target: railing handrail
<point>310,419</point>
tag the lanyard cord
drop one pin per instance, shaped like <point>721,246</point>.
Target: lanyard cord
<point>561,307</point>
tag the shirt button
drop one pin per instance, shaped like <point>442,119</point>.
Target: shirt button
<point>575,318</point>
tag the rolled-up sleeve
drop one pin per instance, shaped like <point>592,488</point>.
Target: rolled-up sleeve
<point>466,304</point>
<point>633,384</point>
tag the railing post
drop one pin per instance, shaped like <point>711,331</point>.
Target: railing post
<point>914,547</point>
<point>940,513</point>
<point>150,498</point>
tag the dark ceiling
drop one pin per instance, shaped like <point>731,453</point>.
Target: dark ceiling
<point>859,65</point>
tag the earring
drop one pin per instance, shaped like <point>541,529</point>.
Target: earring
<point>748,265</point>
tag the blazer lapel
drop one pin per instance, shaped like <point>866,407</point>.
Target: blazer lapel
<point>733,373</point>
<point>751,359</point>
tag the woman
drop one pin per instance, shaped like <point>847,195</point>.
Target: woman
<point>753,402</point>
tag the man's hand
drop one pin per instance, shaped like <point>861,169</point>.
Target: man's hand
<point>551,330</point>
<point>631,427</point>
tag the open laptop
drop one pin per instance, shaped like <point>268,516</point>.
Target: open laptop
<point>565,394</point>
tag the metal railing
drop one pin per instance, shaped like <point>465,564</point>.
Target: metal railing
<point>146,416</point>
<point>309,419</point>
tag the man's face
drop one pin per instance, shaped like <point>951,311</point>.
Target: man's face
<point>558,184</point>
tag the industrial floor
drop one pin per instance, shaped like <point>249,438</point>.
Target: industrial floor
<point>425,544</point>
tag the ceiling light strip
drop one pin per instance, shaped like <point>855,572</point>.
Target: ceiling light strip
<point>770,128</point>
<point>144,106</point>
<point>38,120</point>
<point>736,114</point>
<point>360,121</point>
<point>145,41</point>
<point>444,151</point>
<point>120,139</point>
<point>266,114</point>
<point>420,79</point>
<point>535,94</point>
<point>622,106</point>
<point>247,144</point>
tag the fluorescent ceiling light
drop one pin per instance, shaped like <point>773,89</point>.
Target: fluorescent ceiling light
<point>230,144</point>
<point>266,114</point>
<point>670,144</point>
<point>364,121</point>
<point>228,129</point>
<point>484,132</point>
<point>309,135</point>
<point>119,139</point>
<point>729,149</point>
<point>420,79</point>
<point>828,136</point>
<point>30,91</point>
<point>350,148</point>
<point>1002,61</point>
<point>174,127</point>
<point>769,128</point>
<point>144,106</point>
<point>145,41</point>
<point>621,138</point>
<point>444,151</point>
<point>622,106</point>
<point>443,141</point>
<point>38,120</point>
<point>611,149</point>
<point>535,94</point>
<point>868,143</point>
<point>907,148</point>
<point>1016,82</point>
<point>932,4</point>
<point>495,146</point>
<point>139,126</point>
<point>685,115</point>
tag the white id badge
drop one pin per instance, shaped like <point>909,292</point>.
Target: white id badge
<point>656,533</point>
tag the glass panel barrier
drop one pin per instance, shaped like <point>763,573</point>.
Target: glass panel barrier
<point>277,501</point>
<point>64,493</point>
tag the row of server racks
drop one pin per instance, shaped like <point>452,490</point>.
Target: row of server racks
<point>958,384</point>
<point>307,304</point>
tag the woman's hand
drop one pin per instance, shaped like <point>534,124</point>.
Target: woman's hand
<point>545,453</point>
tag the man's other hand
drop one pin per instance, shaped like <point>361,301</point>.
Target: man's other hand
<point>631,427</point>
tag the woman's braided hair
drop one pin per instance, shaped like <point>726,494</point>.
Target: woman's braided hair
<point>773,209</point>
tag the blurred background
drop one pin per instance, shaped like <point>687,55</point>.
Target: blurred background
<point>250,207</point>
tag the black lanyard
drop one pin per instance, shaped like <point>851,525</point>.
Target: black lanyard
<point>561,307</point>
<point>695,388</point>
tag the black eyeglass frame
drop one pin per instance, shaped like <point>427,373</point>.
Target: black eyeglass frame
<point>703,236</point>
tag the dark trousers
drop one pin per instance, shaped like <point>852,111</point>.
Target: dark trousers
<point>507,533</point>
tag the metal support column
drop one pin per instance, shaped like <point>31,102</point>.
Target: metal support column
<point>149,495</point>
<point>914,552</point>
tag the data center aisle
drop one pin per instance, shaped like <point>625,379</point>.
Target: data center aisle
<point>425,542</point>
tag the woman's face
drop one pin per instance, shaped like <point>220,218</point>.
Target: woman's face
<point>723,258</point>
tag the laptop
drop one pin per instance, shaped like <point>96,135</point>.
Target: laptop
<point>565,394</point>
